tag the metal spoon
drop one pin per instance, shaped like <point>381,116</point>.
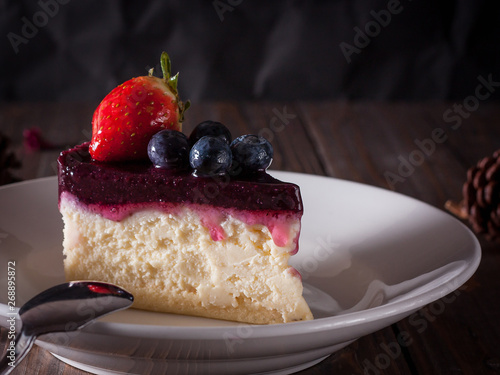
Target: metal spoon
<point>63,308</point>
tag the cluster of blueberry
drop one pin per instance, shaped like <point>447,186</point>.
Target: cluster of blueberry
<point>210,150</point>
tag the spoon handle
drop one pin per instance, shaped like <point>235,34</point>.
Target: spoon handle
<point>10,360</point>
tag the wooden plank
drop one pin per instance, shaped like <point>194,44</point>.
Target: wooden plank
<point>330,126</point>
<point>283,126</point>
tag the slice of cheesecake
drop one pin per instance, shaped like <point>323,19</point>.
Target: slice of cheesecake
<point>215,247</point>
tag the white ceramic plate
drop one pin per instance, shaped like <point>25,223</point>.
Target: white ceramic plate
<point>368,258</point>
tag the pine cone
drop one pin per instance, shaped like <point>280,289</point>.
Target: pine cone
<point>481,197</point>
<point>8,161</point>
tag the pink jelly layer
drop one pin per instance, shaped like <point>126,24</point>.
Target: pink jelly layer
<point>118,190</point>
<point>278,223</point>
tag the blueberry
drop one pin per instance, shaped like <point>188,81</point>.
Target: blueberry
<point>210,156</point>
<point>252,153</point>
<point>212,128</point>
<point>169,149</point>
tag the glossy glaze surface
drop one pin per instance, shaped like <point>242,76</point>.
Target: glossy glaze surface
<point>137,183</point>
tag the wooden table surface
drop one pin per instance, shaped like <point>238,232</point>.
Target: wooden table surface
<point>366,142</point>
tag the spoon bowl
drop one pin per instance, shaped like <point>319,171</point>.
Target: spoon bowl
<point>63,308</point>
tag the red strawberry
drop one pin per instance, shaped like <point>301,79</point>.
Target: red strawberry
<point>133,112</point>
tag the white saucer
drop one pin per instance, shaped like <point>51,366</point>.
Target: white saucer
<point>368,258</point>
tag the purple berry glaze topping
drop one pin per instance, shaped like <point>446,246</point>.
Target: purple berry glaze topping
<point>106,184</point>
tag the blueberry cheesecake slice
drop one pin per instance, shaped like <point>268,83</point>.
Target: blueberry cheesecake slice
<point>194,226</point>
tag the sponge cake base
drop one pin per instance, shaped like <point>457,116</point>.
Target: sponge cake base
<point>171,263</point>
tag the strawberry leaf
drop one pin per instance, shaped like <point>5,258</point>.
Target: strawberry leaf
<point>183,106</point>
<point>166,66</point>
<point>172,82</point>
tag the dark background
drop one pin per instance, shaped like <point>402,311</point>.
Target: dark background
<point>244,49</point>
